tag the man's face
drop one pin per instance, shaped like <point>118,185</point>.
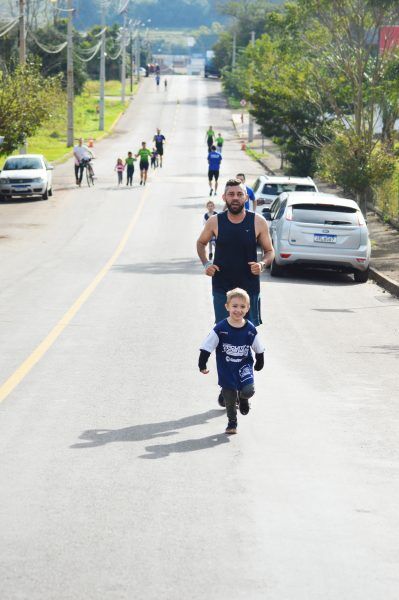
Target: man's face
<point>235,198</point>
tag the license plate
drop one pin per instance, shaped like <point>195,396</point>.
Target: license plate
<point>325,238</point>
<point>20,186</point>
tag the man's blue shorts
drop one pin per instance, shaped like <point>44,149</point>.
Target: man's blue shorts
<point>219,301</point>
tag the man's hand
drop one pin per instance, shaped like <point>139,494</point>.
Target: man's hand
<point>256,268</point>
<point>211,270</point>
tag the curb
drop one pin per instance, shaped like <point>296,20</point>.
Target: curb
<point>385,282</point>
<point>388,284</point>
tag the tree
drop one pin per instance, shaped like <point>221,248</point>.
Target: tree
<point>20,118</point>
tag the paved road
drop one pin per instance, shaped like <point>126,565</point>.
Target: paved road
<point>116,480</point>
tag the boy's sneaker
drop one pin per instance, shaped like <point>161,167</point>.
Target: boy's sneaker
<point>244,406</point>
<point>231,428</point>
<point>221,401</point>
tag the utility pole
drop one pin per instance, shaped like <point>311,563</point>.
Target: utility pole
<point>123,77</point>
<point>138,55</point>
<point>233,60</point>
<point>131,62</point>
<point>250,120</point>
<point>70,90</point>
<point>102,71</point>
<point>22,33</point>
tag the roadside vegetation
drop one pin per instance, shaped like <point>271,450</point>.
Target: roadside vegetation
<point>318,82</point>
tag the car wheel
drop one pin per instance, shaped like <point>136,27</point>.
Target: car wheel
<point>45,195</point>
<point>361,276</point>
<point>50,192</point>
<point>276,270</point>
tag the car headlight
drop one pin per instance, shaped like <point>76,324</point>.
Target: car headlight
<point>38,180</point>
<point>4,180</point>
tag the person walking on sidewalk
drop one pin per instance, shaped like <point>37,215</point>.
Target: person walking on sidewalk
<point>214,160</point>
<point>129,164</point>
<point>234,339</point>
<point>119,168</point>
<point>145,154</point>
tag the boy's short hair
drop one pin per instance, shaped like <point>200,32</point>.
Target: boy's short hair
<point>237,292</point>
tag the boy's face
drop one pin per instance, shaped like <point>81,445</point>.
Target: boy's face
<point>210,206</point>
<point>237,308</point>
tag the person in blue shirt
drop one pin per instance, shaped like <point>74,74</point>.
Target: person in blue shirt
<point>214,160</point>
<point>250,203</point>
<point>234,340</point>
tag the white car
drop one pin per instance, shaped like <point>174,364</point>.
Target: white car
<point>268,187</point>
<point>26,175</point>
<point>319,230</point>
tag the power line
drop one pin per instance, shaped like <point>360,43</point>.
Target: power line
<point>9,26</point>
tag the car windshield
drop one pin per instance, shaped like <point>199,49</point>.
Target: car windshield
<point>274,189</point>
<point>16,164</point>
<point>324,214</point>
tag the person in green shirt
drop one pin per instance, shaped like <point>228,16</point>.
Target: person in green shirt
<point>129,164</point>
<point>210,136</point>
<point>145,155</point>
<point>219,143</point>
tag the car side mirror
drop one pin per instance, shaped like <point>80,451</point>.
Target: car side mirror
<point>267,214</point>
<point>50,168</point>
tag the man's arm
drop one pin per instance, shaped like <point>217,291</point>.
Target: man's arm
<point>264,240</point>
<point>209,231</point>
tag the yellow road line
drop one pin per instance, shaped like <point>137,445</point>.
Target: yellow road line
<point>28,364</point>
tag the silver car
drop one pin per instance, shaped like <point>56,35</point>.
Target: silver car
<point>267,187</point>
<point>26,175</point>
<point>319,230</point>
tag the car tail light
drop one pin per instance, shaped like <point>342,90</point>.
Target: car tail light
<point>288,214</point>
<point>361,219</point>
<point>285,255</point>
<point>361,260</point>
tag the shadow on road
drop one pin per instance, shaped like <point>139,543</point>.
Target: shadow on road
<point>186,266</point>
<point>147,431</point>
<point>164,450</point>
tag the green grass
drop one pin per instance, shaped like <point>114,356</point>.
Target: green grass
<point>256,155</point>
<point>50,140</point>
<point>112,88</point>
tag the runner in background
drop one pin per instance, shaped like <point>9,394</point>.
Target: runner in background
<point>159,141</point>
<point>250,204</point>
<point>145,154</point>
<point>210,136</point>
<point>219,143</point>
<point>214,160</point>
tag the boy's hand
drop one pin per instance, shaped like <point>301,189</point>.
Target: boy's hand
<point>205,371</point>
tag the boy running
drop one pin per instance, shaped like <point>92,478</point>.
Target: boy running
<point>129,164</point>
<point>234,339</point>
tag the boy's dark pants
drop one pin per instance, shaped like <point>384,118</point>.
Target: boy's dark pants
<point>230,398</point>
<point>130,171</point>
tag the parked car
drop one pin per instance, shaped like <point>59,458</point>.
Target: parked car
<point>268,187</point>
<point>26,175</point>
<point>319,230</point>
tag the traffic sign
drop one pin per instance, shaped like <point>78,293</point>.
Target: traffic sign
<point>243,102</point>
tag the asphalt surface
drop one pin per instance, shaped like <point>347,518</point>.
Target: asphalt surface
<point>116,479</point>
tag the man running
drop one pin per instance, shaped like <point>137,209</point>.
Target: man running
<point>145,154</point>
<point>235,263</point>
<point>159,140</point>
<point>238,232</point>
<point>214,160</point>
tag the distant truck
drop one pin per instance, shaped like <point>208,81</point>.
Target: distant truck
<point>210,68</point>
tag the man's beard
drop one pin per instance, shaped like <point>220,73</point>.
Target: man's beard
<point>235,210</point>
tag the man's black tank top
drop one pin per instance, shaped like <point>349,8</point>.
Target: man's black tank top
<point>235,248</point>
